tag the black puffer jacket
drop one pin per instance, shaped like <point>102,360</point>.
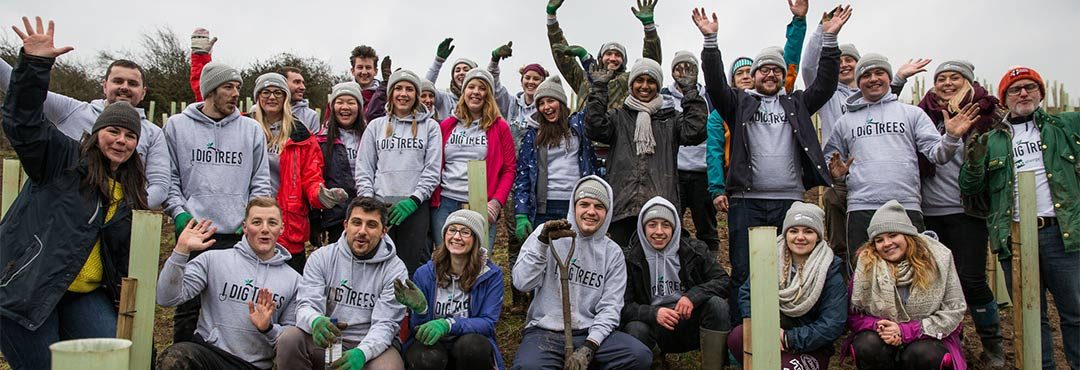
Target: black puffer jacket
<point>699,272</point>
<point>48,233</point>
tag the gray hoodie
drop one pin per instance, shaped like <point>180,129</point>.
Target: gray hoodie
<point>305,114</point>
<point>401,165</point>
<point>75,118</point>
<point>775,169</point>
<point>883,137</point>
<point>217,167</point>
<point>664,265</point>
<point>364,293</point>
<point>691,157</point>
<point>597,283</point>
<point>227,280</point>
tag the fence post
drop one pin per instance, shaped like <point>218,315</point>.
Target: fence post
<point>150,112</point>
<point>764,302</point>
<point>172,108</point>
<point>1025,274</point>
<point>143,268</point>
<point>477,174</point>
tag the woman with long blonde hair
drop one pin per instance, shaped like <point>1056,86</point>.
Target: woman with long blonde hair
<point>477,131</point>
<point>906,302</point>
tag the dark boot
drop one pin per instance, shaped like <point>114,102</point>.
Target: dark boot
<point>988,326</point>
<point>713,349</point>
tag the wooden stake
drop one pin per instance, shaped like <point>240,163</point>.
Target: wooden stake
<point>764,298</point>
<point>1027,337</point>
<point>125,321</point>
<point>12,176</point>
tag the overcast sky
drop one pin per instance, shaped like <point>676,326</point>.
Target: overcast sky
<point>993,34</point>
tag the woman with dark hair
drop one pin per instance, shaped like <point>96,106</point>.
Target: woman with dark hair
<point>339,142</point>
<point>67,236</point>
<point>455,301</point>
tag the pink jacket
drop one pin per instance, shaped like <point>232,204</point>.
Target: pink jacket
<point>501,160</point>
<point>910,331</point>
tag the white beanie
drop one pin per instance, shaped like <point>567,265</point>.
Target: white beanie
<point>271,79</point>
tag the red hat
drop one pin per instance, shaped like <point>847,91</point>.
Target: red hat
<point>1018,73</point>
<point>535,68</point>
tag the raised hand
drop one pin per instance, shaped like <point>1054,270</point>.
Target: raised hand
<point>409,295</point>
<point>597,73</point>
<point>553,6</point>
<point>838,167</point>
<point>387,68</point>
<point>799,8</point>
<point>826,16</point>
<point>958,126</point>
<point>201,42</point>
<point>975,148</point>
<point>644,11</point>
<point>687,82</point>
<point>555,230</point>
<point>703,23</point>
<point>503,52</point>
<point>260,311</point>
<point>839,18</point>
<point>445,48</point>
<point>912,67</point>
<point>570,50</point>
<point>39,42</point>
<point>195,237</point>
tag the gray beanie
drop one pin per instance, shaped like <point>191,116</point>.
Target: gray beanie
<point>773,56</point>
<point>890,218</point>
<point>350,88</point>
<point>470,219</point>
<point>646,66</point>
<point>426,85</point>
<point>963,67</point>
<point>551,88</point>
<point>466,61</point>
<point>271,79</point>
<point>613,46</point>
<point>850,50</point>
<point>481,74</point>
<point>404,75</point>
<point>684,56</point>
<point>805,214</point>
<point>120,114</point>
<point>215,74</point>
<point>592,188</point>
<point>872,61</point>
<point>660,211</point>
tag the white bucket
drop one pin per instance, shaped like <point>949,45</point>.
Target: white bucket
<point>96,353</point>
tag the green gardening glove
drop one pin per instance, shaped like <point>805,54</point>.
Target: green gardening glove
<point>553,6</point>
<point>502,52</point>
<point>644,11</point>
<point>430,332</point>
<point>352,359</point>
<point>409,295</point>
<point>401,210</point>
<point>323,332</point>
<point>523,227</point>
<point>445,48</point>
<point>570,50</point>
<point>181,222</point>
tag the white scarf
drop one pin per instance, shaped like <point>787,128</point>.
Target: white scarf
<point>800,293</point>
<point>643,135</point>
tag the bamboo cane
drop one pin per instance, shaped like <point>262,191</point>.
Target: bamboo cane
<point>564,285</point>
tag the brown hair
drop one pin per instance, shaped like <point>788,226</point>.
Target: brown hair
<point>363,52</point>
<point>130,175</point>
<point>918,255</point>
<point>551,134</point>
<point>261,202</point>
<point>124,63</point>
<point>284,71</point>
<point>490,111</point>
<point>469,274</point>
<point>368,204</point>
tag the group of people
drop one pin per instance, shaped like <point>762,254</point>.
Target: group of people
<point>601,265</point>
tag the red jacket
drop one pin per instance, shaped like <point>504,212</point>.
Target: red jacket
<point>198,61</point>
<point>301,177</point>
<point>501,160</point>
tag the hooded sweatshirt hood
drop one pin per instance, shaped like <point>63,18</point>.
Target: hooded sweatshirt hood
<point>571,216</point>
<point>664,264</point>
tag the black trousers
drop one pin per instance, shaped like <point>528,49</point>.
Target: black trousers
<point>966,237</point>
<point>186,317</point>
<point>199,355</point>
<point>469,351</point>
<point>872,353</point>
<point>711,315</point>
<point>412,238</point>
<point>694,194</point>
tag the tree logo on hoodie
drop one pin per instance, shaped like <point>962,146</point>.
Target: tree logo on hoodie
<point>872,128</point>
<point>215,156</point>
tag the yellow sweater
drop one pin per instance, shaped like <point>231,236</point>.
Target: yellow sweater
<point>90,276</point>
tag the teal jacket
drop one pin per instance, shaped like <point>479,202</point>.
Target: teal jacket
<point>993,177</point>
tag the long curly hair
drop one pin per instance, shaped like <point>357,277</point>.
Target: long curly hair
<point>918,255</point>
<point>469,274</point>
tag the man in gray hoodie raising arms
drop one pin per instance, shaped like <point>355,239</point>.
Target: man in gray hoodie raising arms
<point>597,282</point>
<point>249,293</point>
<point>359,271</point>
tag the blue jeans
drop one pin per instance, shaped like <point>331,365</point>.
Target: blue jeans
<point>556,210</point>
<point>743,214</point>
<point>76,316</point>
<point>543,349</point>
<point>1059,272</point>
<point>439,216</point>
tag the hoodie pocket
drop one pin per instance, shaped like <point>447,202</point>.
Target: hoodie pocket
<point>218,207</point>
<point>878,182</point>
<point>774,172</point>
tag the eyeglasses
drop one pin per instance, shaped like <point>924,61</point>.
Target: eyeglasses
<point>276,93</point>
<point>1015,90</point>
<point>771,71</point>
<point>462,232</point>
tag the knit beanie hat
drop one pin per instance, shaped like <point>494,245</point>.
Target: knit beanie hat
<point>481,74</point>
<point>1018,73</point>
<point>646,66</point>
<point>872,61</point>
<point>613,46</point>
<point>120,114</point>
<point>470,219</point>
<point>739,63</point>
<point>404,75</point>
<point>426,85</point>
<point>658,211</point>
<point>534,68</point>
<point>963,67</point>
<point>850,50</point>
<point>466,61</point>
<point>890,218</point>
<point>684,57</point>
<point>592,188</point>
<point>807,215</point>
<point>350,88</point>
<point>772,55</point>
<point>215,74</point>
<point>551,88</point>
<point>271,79</point>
